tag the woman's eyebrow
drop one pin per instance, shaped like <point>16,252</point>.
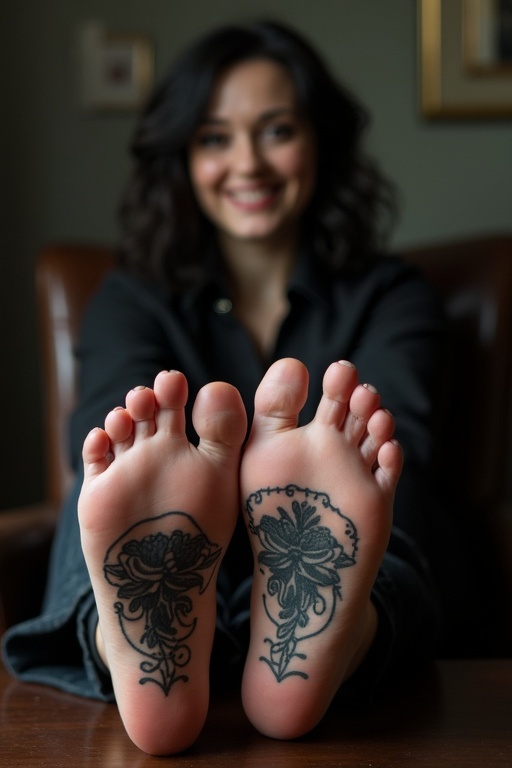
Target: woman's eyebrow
<point>212,120</point>
<point>278,112</point>
<point>269,114</point>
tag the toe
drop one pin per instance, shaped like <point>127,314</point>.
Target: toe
<point>281,396</point>
<point>95,453</point>
<point>119,428</point>
<point>363,403</point>
<point>219,419</point>
<point>140,404</point>
<point>389,466</point>
<point>171,394</point>
<point>338,385</point>
<point>380,428</point>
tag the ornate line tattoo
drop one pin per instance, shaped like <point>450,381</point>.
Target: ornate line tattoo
<point>301,559</point>
<point>154,575</point>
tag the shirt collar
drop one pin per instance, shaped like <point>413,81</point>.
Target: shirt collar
<point>308,280</point>
<point>210,286</point>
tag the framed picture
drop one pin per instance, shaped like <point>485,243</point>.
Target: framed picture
<point>116,69</point>
<point>465,51</point>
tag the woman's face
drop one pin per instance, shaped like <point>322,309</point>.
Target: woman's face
<point>252,160</point>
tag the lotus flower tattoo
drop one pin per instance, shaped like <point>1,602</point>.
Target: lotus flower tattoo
<point>301,559</point>
<point>155,577</point>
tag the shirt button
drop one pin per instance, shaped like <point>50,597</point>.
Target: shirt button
<point>222,306</point>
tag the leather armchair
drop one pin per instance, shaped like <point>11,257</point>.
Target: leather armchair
<point>474,280</point>
<point>66,276</point>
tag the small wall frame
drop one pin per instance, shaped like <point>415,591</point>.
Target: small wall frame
<point>465,58</point>
<point>116,69</point>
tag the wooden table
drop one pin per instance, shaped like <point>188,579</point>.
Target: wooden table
<point>459,715</point>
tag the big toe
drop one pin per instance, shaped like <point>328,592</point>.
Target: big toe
<point>219,417</point>
<point>281,396</point>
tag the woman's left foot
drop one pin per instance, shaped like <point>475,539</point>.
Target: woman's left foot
<point>156,515</point>
<point>318,505</point>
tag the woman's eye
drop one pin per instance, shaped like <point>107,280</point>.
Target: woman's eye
<point>279,132</point>
<point>212,140</point>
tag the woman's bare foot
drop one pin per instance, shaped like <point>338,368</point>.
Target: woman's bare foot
<point>156,515</point>
<point>318,503</point>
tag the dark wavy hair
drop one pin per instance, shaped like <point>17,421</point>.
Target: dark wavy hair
<point>166,236</point>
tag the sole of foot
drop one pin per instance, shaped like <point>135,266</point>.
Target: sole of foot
<point>318,505</point>
<point>156,514</point>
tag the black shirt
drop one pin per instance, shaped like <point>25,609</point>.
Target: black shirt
<point>385,320</point>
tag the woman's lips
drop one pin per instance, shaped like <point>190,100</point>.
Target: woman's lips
<point>253,199</point>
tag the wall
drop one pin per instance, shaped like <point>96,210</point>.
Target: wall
<point>63,170</point>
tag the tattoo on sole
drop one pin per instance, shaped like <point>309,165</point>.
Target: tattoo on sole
<point>305,543</point>
<point>156,575</point>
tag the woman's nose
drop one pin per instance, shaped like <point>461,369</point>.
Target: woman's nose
<point>246,155</point>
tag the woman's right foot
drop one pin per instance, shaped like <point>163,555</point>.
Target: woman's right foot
<point>318,504</point>
<point>156,515</point>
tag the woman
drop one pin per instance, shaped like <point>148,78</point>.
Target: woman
<point>251,259</point>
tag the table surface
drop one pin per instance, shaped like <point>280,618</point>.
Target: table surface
<point>460,714</point>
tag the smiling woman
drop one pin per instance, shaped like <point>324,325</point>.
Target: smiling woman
<point>346,216</point>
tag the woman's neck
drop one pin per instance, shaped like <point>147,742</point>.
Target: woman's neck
<point>258,275</point>
<point>256,270</point>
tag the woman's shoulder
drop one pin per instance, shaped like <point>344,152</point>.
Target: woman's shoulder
<point>121,292</point>
<point>120,284</point>
<point>397,270</point>
<point>386,270</point>
<point>391,281</point>
<point>390,265</point>
<point>124,305</point>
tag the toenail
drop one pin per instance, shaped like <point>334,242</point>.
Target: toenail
<point>347,363</point>
<point>371,388</point>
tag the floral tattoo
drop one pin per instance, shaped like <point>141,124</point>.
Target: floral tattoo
<point>305,542</point>
<point>155,576</point>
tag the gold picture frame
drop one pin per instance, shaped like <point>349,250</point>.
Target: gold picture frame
<point>459,77</point>
<point>117,70</point>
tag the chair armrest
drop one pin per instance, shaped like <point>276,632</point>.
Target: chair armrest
<point>26,535</point>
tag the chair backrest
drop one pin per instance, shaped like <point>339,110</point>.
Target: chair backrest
<point>66,278</point>
<point>474,279</point>
<point>474,446</point>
